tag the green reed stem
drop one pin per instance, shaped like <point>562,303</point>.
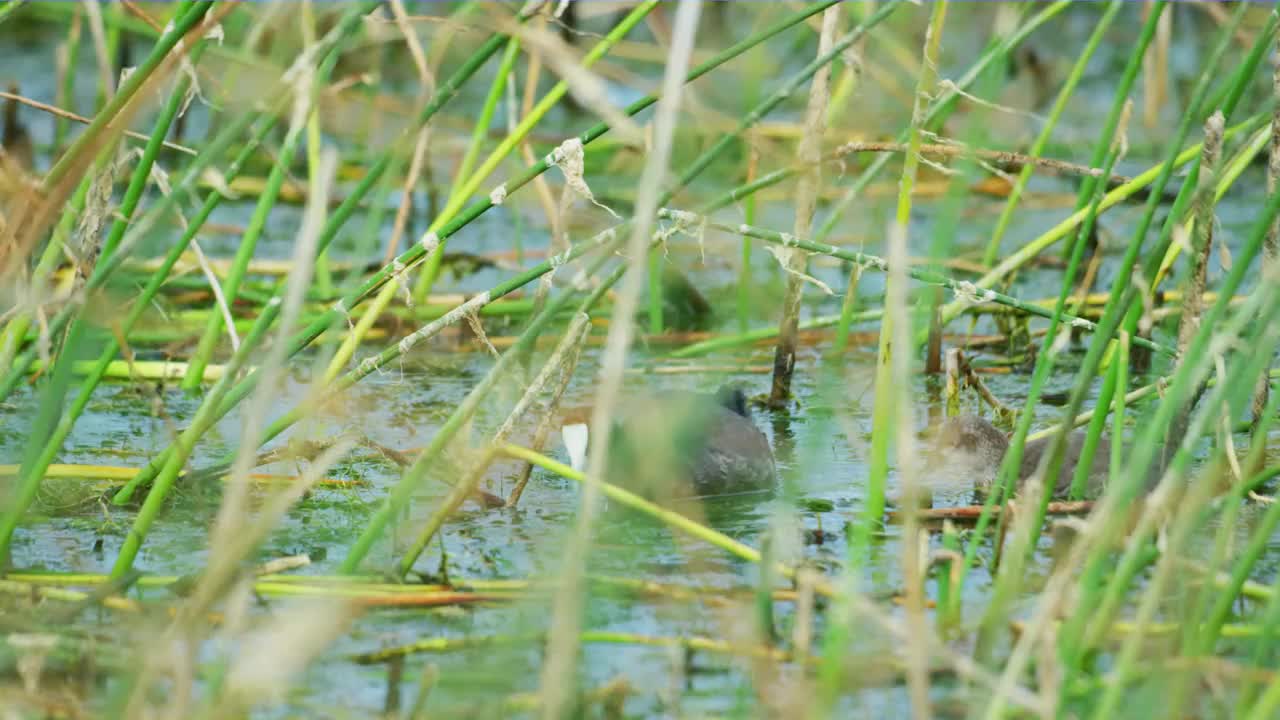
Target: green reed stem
<point>1055,113</point>
<point>886,402</point>
<point>185,443</point>
<point>1189,376</point>
<point>867,260</point>
<point>126,92</point>
<point>397,500</point>
<point>1121,295</point>
<point>419,250</point>
<point>479,132</point>
<point>262,211</point>
<point>496,89</point>
<point>1154,264</point>
<point>476,304</point>
<point>105,267</point>
<point>29,482</point>
<point>462,194</point>
<point>1225,397</point>
<point>65,98</point>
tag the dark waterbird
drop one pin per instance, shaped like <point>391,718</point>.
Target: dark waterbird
<point>683,444</point>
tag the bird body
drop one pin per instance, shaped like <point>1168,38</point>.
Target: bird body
<point>971,447</point>
<point>683,444</point>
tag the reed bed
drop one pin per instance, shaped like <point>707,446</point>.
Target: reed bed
<point>294,298</point>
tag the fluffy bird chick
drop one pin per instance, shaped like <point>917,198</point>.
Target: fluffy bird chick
<point>970,447</point>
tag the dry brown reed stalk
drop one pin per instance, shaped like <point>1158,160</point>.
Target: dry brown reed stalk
<point>569,344</point>
<point>793,260</point>
<point>425,75</point>
<point>1086,283</point>
<point>568,363</point>
<point>63,89</point>
<point>971,512</point>
<point>1271,244</point>
<point>1004,160</point>
<point>405,207</point>
<point>953,377</point>
<point>973,380</point>
<point>67,114</point>
<point>1202,246</point>
<point>541,188</point>
<point>427,82</point>
<point>228,524</point>
<point>142,15</point>
<point>584,85</point>
<point>97,34</point>
<point>783,523</point>
<point>558,214</point>
<point>914,537</point>
<point>560,668</point>
<point>1155,70</point>
<point>29,217</point>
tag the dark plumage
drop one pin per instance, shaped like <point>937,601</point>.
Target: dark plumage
<point>682,444</point>
<point>970,447</point>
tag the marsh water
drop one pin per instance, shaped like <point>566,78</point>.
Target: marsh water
<point>822,443</point>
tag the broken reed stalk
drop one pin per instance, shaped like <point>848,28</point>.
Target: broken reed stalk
<point>466,187</point>
<point>1055,113</point>
<point>30,481</point>
<point>1201,247</point>
<point>963,289</point>
<point>570,343</point>
<point>1123,296</point>
<point>306,85</point>
<point>1271,247</point>
<point>558,675</point>
<point>416,253</point>
<point>1024,255</point>
<point>548,422</point>
<point>793,262</point>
